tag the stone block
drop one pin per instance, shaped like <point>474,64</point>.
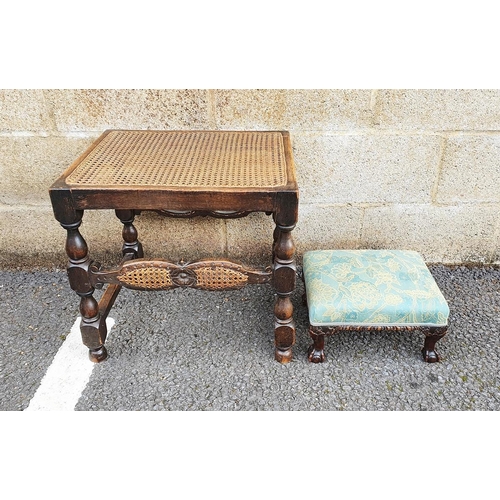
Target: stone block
<point>176,239</point>
<point>439,109</point>
<point>161,237</point>
<point>470,169</point>
<point>446,234</point>
<point>98,110</point>
<point>31,237</point>
<point>250,239</point>
<point>496,257</point>
<point>323,227</point>
<point>366,168</point>
<point>319,226</point>
<point>496,250</point>
<point>24,111</point>
<point>293,109</point>
<point>29,165</point>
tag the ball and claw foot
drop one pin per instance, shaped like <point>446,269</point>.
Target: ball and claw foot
<point>315,356</point>
<point>283,357</point>
<point>98,355</point>
<point>430,356</point>
<point>429,353</point>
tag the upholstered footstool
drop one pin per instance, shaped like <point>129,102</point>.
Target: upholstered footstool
<point>372,290</point>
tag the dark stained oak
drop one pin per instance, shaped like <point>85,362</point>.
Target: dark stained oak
<point>183,174</point>
<point>432,334</point>
<point>93,323</point>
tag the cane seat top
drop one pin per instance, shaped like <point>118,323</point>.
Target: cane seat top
<point>183,159</point>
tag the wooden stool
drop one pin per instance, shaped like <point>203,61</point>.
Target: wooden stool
<point>179,174</point>
<point>372,290</point>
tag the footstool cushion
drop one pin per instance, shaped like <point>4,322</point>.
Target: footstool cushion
<point>372,287</point>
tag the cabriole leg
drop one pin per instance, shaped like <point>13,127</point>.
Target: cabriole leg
<point>432,335</point>
<point>92,325</point>
<point>316,353</point>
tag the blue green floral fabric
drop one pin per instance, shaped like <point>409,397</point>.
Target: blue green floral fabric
<point>372,287</point>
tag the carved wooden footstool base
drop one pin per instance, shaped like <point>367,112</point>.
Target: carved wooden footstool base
<point>179,174</point>
<point>372,290</point>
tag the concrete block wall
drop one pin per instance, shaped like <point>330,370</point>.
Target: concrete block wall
<point>414,169</point>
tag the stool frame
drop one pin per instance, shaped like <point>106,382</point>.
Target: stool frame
<point>70,201</point>
<point>432,334</point>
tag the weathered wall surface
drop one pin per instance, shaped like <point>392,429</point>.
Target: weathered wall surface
<point>413,169</point>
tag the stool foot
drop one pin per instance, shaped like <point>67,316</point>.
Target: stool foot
<point>316,353</point>
<point>98,355</point>
<point>315,356</point>
<point>283,357</point>
<point>432,335</point>
<point>430,356</point>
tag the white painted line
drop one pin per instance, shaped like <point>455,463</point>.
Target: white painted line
<point>67,376</point>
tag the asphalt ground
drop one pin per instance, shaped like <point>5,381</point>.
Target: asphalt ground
<point>194,350</point>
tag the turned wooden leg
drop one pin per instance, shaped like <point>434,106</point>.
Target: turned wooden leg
<point>432,335</point>
<point>284,272</point>
<point>93,329</point>
<point>276,234</point>
<point>316,353</point>
<point>93,324</point>
<point>131,243</point>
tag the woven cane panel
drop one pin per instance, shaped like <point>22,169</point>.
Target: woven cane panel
<point>219,278</point>
<point>147,278</point>
<point>184,159</point>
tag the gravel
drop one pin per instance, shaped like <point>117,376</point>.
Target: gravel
<point>194,350</point>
